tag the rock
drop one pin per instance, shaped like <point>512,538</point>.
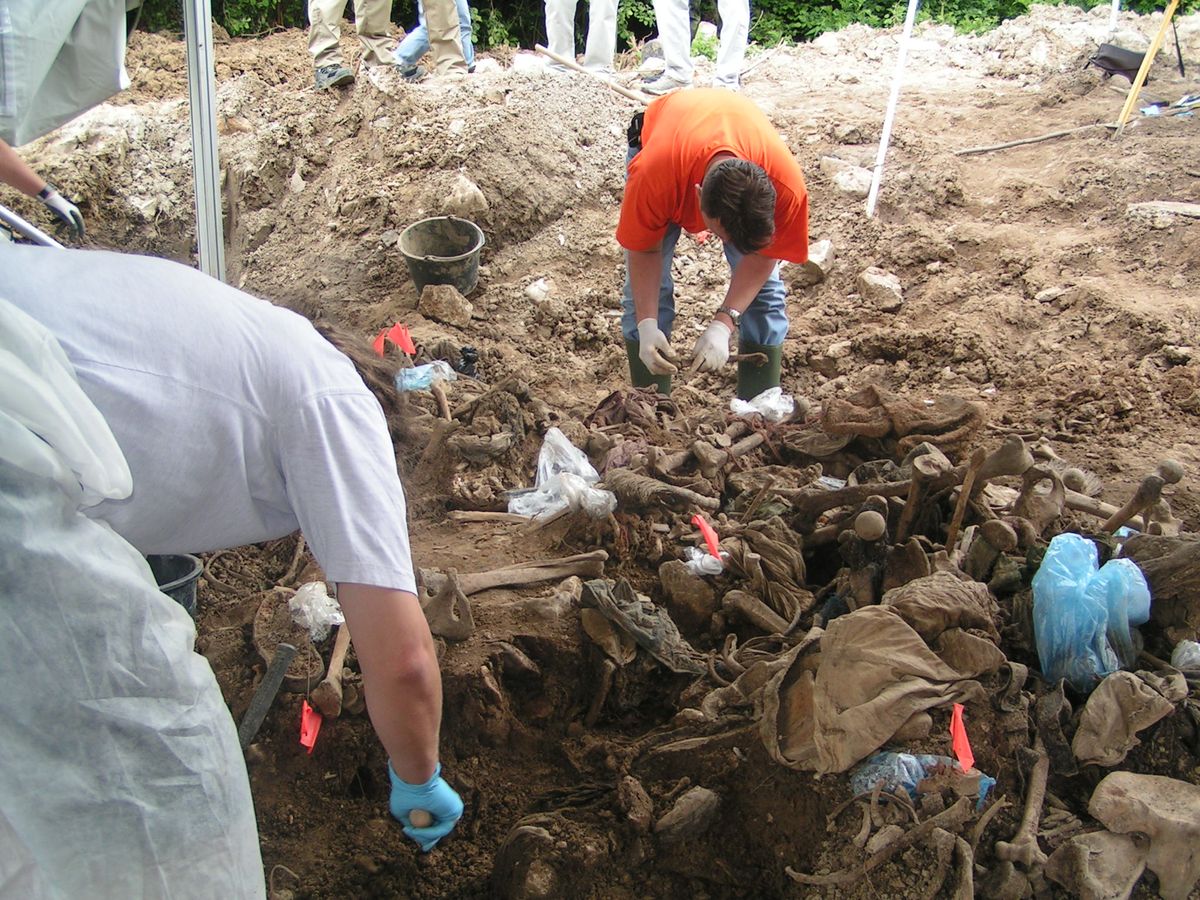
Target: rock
<point>831,165</point>
<point>818,266</point>
<point>464,198</point>
<point>1098,866</point>
<point>524,866</point>
<point>1168,812</point>
<point>1178,356</point>
<point>635,803</point>
<point>881,288</point>
<point>691,600</point>
<point>690,817</point>
<point>826,43</point>
<point>853,182</point>
<point>444,303</point>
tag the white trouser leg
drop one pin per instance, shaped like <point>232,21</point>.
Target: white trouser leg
<point>735,32</point>
<point>675,32</point>
<point>602,35</point>
<point>560,28</point>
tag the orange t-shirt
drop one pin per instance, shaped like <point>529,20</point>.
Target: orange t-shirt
<point>681,134</point>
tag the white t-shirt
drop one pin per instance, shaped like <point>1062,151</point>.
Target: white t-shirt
<point>239,421</point>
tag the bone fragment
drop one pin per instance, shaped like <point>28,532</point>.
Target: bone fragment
<point>924,470</point>
<point>327,696</point>
<point>585,565</point>
<point>978,458</point>
<point>1147,494</point>
<point>754,611</point>
<point>1024,846</point>
<point>637,490</point>
<point>1011,458</point>
<point>1040,508</point>
<point>446,608</point>
<point>992,538</point>
<point>870,525</point>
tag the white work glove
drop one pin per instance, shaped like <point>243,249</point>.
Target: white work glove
<point>712,348</point>
<point>63,208</point>
<point>654,350</point>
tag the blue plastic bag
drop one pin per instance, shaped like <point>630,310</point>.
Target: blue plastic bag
<point>905,771</point>
<point>1083,612</point>
<point>422,377</point>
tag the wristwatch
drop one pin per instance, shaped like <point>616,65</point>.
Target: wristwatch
<point>734,315</point>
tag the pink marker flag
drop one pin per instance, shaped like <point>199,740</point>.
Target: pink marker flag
<point>399,335</point>
<point>959,741</point>
<point>377,344</point>
<point>310,725</point>
<point>710,536</point>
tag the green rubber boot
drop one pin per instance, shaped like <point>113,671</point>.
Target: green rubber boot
<point>753,379</point>
<point>640,375</point>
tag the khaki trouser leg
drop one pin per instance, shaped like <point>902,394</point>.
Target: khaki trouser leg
<point>445,40</point>
<point>373,22</point>
<point>324,31</point>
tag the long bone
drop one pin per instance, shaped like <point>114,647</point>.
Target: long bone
<point>1024,846</point>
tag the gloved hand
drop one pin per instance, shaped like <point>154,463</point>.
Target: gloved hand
<point>712,348</point>
<point>654,350</point>
<point>435,797</point>
<point>63,208</point>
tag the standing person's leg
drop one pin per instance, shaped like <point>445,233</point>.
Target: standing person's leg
<point>373,22</point>
<point>324,31</point>
<point>735,33</point>
<point>415,44</point>
<point>675,32</point>
<point>441,18</point>
<point>560,29</point>
<point>601,36</point>
<point>464,30</point>
<point>763,327</point>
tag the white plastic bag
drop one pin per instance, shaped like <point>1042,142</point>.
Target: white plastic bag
<point>564,480</point>
<point>1186,656</point>
<point>314,610</point>
<point>701,562</point>
<point>772,404</point>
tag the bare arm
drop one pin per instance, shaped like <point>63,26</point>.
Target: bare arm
<point>748,278</point>
<point>16,172</point>
<point>400,675</point>
<point>645,268</point>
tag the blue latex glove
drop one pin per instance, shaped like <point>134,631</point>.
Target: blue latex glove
<point>435,797</point>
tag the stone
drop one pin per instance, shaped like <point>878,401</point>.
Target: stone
<point>690,817</point>
<point>817,268</point>
<point>635,803</point>
<point>1167,811</point>
<point>690,599</point>
<point>881,288</point>
<point>444,303</point>
<point>465,198</point>
<point>854,182</point>
<point>1098,866</point>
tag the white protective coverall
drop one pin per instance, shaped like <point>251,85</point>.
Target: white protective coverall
<point>121,774</point>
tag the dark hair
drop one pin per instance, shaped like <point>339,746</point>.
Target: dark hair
<point>740,196</point>
<point>377,374</point>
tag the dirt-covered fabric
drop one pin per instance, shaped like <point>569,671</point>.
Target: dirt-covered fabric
<point>946,421</point>
<point>1121,705</point>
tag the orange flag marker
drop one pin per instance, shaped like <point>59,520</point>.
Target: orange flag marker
<point>959,741</point>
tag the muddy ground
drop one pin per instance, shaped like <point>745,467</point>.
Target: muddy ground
<point>1029,285</point>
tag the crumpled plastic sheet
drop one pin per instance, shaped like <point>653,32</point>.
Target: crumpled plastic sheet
<point>564,480</point>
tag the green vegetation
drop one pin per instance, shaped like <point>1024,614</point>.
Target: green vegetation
<point>522,22</point>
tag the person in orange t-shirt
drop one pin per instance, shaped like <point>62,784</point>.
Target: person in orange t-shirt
<point>709,160</point>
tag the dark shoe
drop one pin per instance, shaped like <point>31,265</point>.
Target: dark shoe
<point>413,75</point>
<point>471,69</point>
<point>334,75</point>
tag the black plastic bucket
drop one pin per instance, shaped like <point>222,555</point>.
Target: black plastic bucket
<point>176,576</point>
<point>443,250</point>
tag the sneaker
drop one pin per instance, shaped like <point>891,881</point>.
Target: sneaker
<point>334,75</point>
<point>664,84</point>
<point>414,74</point>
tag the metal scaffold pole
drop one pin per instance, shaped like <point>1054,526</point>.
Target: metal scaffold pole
<point>202,96</point>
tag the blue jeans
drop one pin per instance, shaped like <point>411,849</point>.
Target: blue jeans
<point>416,42</point>
<point>764,322</point>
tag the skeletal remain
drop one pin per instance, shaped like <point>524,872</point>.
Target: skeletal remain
<point>1024,846</point>
<point>992,538</point>
<point>978,458</point>
<point>870,525</point>
<point>637,490</point>
<point>1040,507</point>
<point>1011,458</point>
<point>1161,521</point>
<point>1147,494</point>
<point>1170,471</point>
<point>754,611</point>
<point>585,565</point>
<point>924,470</point>
<point>964,889</point>
<point>327,696</point>
<point>447,608</point>
<point>608,668</point>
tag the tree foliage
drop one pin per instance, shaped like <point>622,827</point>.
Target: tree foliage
<point>522,22</point>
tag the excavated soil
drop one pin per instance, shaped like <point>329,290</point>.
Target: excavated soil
<point>1030,284</point>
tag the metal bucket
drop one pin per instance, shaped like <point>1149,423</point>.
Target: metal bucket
<point>443,250</point>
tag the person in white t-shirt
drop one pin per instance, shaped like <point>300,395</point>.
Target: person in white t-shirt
<point>241,423</point>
